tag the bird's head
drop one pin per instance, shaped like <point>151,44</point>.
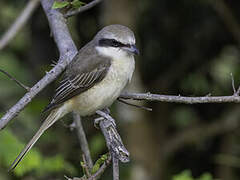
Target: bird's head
<point>116,40</point>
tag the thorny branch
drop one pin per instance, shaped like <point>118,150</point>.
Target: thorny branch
<point>19,23</point>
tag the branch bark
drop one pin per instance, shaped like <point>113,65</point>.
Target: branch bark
<point>19,23</point>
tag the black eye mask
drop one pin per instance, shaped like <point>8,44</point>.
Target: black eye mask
<point>111,43</point>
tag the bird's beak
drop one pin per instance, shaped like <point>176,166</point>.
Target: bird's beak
<point>132,49</point>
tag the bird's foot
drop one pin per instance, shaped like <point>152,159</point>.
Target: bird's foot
<point>104,115</point>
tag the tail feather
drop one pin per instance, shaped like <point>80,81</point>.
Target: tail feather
<point>50,120</point>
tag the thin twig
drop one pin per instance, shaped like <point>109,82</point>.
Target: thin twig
<point>82,8</point>
<point>19,23</point>
<point>134,105</point>
<point>233,83</point>
<point>86,167</point>
<point>238,91</point>
<point>15,80</point>
<point>83,140</point>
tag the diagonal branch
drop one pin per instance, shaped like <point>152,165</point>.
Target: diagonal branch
<point>19,23</point>
<point>67,51</point>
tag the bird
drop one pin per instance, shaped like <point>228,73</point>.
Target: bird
<point>93,80</point>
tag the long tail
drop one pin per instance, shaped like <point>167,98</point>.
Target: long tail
<point>50,120</point>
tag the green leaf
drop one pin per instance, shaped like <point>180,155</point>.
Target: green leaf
<point>77,4</point>
<point>98,163</point>
<point>57,4</point>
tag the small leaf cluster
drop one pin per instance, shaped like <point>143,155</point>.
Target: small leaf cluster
<point>75,4</point>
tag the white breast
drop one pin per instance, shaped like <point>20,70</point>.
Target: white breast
<point>104,93</point>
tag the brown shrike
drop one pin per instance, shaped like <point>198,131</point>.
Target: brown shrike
<point>93,80</point>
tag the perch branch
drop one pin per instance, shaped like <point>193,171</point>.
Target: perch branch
<point>19,23</point>
<point>181,99</point>
<point>82,8</point>
<point>113,141</point>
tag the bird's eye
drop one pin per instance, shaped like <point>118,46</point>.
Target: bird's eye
<point>115,43</point>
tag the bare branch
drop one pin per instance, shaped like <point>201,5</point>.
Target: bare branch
<point>15,80</point>
<point>82,8</point>
<point>83,140</point>
<point>19,23</point>
<point>181,99</point>
<point>67,51</point>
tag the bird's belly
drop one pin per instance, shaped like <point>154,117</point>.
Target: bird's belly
<point>104,93</point>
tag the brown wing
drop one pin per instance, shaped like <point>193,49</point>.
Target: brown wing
<point>80,75</point>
